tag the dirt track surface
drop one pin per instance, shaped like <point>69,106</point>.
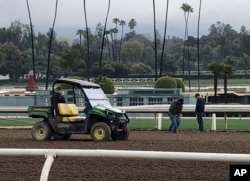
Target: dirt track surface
<point>72,168</point>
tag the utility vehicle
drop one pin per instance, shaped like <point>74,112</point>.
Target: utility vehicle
<point>88,112</point>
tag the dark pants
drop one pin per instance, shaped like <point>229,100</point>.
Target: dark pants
<point>200,121</point>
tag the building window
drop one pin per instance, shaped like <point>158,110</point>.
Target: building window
<point>119,101</point>
<point>170,99</point>
<point>135,101</point>
<point>155,100</point>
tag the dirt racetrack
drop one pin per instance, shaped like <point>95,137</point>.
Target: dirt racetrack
<point>72,168</point>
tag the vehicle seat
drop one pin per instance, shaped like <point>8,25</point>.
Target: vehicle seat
<point>69,112</point>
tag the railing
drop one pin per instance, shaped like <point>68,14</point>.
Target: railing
<point>51,154</point>
<point>158,110</point>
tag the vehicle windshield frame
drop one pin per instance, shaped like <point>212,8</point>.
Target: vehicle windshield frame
<point>96,96</point>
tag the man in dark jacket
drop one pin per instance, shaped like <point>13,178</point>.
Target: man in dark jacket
<point>57,98</point>
<point>174,114</point>
<point>199,111</point>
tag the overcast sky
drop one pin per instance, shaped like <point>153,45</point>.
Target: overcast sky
<point>70,15</point>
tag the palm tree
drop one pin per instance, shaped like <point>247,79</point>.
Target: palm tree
<point>116,21</point>
<point>156,76</point>
<point>112,30</point>
<point>198,46</point>
<point>80,32</point>
<point>87,31</point>
<point>32,41</point>
<point>227,70</point>
<point>187,9</point>
<point>122,24</point>
<point>103,38</point>
<point>131,24</point>
<point>164,38</point>
<point>50,41</point>
<point>216,69</point>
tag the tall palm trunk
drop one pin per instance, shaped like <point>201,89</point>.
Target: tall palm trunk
<point>164,39</point>
<point>32,42</point>
<point>112,45</point>
<point>120,48</point>
<point>87,31</point>
<point>184,46</point>
<point>50,42</point>
<point>225,88</point>
<point>189,82</point>
<point>156,76</point>
<point>103,38</point>
<point>198,46</point>
<point>215,86</point>
<point>107,41</point>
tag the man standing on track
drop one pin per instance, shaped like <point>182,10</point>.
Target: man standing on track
<point>174,114</point>
<point>199,111</point>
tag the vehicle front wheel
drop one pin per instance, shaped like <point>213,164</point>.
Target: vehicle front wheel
<point>61,136</point>
<point>121,135</point>
<point>100,131</point>
<point>41,131</point>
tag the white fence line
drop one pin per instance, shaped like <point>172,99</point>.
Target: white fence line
<point>51,154</point>
<point>160,108</point>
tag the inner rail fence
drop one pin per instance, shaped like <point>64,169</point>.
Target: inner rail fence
<point>213,111</point>
<point>51,154</point>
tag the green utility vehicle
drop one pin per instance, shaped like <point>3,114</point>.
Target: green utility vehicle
<point>95,116</point>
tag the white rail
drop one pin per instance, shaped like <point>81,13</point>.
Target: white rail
<point>50,154</point>
<point>161,108</point>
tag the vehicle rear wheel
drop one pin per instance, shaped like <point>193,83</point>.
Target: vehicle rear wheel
<point>100,131</point>
<point>58,136</point>
<point>120,135</point>
<point>41,131</point>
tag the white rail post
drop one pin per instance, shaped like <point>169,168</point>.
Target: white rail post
<point>225,119</point>
<point>47,165</point>
<point>159,121</point>
<point>213,122</point>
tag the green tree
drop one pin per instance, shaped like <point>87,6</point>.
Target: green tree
<point>12,61</point>
<point>132,50</point>
<point>141,69</point>
<point>80,32</point>
<point>227,70</point>
<point>70,60</point>
<point>132,24</point>
<point>216,69</point>
<point>122,24</point>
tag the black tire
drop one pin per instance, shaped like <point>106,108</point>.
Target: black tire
<point>121,135</point>
<point>41,131</point>
<point>57,136</point>
<point>100,131</point>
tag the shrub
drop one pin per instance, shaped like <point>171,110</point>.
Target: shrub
<point>180,84</point>
<point>106,83</point>
<point>166,82</point>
